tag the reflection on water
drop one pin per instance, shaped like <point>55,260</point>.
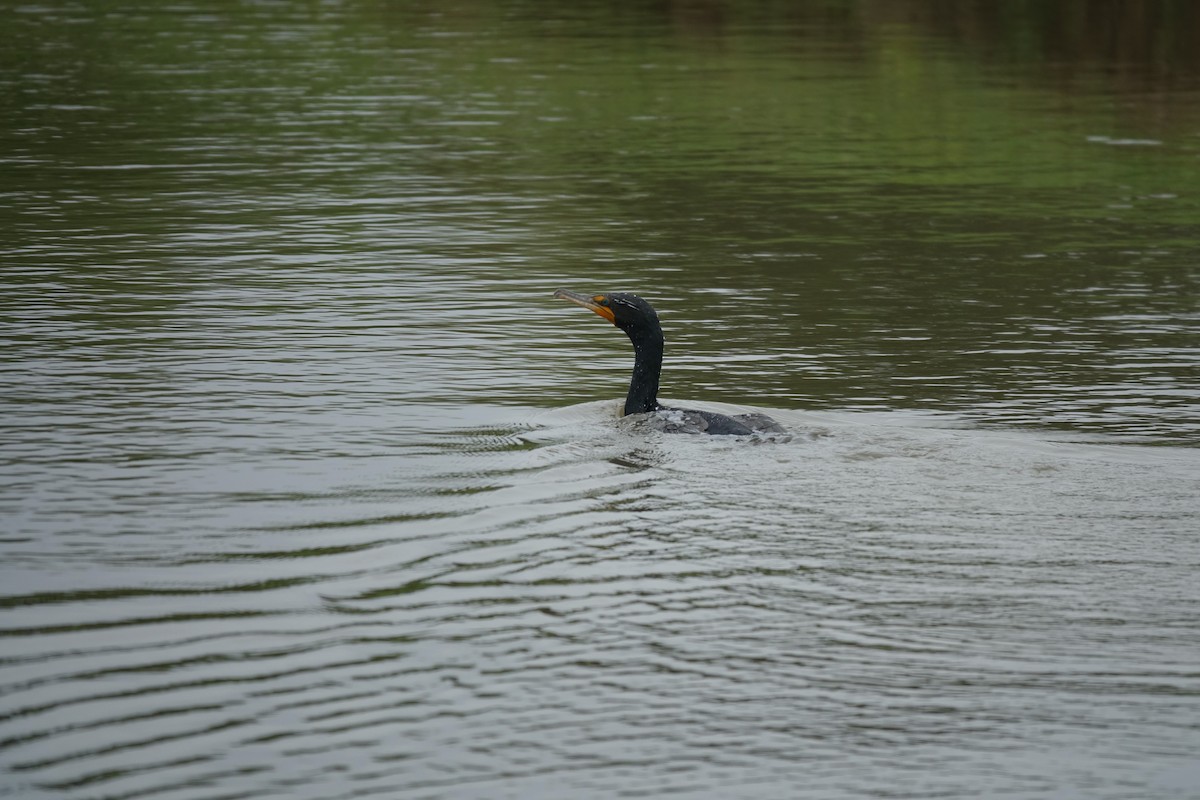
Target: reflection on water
<point>311,490</point>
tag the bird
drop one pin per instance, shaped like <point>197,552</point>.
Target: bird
<point>638,319</point>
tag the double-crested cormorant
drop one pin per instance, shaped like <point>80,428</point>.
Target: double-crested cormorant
<point>638,319</point>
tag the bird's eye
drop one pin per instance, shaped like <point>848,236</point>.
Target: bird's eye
<point>600,300</point>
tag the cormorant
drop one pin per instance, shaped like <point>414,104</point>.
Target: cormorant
<point>638,319</point>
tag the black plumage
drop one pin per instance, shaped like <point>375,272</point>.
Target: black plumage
<point>639,321</point>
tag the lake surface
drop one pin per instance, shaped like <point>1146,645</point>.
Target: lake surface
<point>311,490</point>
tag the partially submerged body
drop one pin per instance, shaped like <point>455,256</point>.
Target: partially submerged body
<point>639,321</point>
<point>690,420</point>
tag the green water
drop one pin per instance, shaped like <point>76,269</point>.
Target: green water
<point>1001,221</point>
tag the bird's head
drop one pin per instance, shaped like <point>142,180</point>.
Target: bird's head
<point>628,312</point>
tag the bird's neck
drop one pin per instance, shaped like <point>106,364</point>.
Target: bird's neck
<point>647,366</point>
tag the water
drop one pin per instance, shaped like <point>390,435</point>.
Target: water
<point>310,489</point>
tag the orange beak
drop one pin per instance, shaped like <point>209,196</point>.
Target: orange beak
<point>593,303</point>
